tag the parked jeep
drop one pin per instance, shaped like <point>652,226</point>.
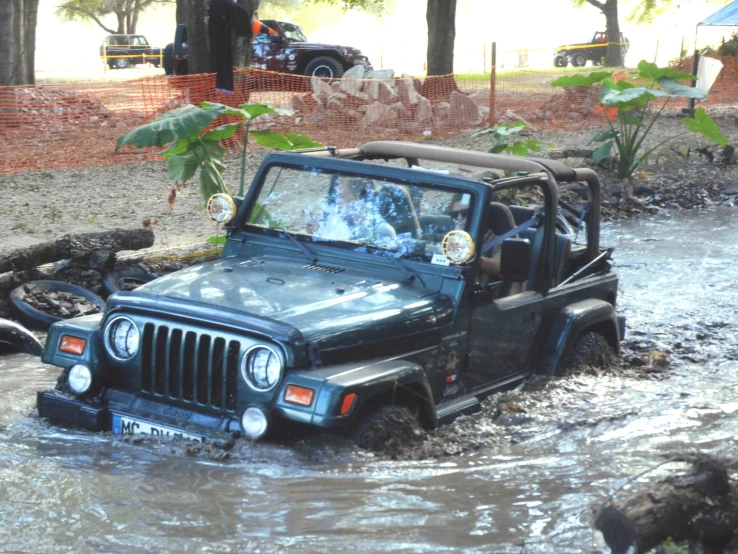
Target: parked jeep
<point>121,51</point>
<point>594,51</point>
<point>287,52</point>
<point>348,288</point>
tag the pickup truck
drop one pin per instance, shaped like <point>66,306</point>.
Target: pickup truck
<point>121,51</point>
<point>289,51</point>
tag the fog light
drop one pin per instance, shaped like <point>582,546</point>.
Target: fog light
<point>79,379</point>
<point>254,423</point>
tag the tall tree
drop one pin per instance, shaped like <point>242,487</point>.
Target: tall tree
<point>125,11</point>
<point>441,18</point>
<point>615,55</point>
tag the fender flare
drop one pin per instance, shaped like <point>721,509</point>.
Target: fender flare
<point>571,322</point>
<point>386,380</point>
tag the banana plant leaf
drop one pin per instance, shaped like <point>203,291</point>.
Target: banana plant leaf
<point>581,80</point>
<point>703,124</point>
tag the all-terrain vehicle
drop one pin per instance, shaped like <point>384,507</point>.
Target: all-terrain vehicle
<point>594,51</point>
<point>349,287</point>
<point>289,51</point>
<point>121,51</point>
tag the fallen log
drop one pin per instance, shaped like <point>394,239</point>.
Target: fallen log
<point>76,246</point>
<point>700,506</point>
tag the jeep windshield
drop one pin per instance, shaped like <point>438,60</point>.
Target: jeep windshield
<point>355,211</point>
<point>293,32</point>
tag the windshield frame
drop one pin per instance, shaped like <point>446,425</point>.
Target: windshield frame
<point>400,175</point>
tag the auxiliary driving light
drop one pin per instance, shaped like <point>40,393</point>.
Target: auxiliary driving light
<point>79,379</point>
<point>221,208</point>
<point>254,423</point>
<point>458,247</point>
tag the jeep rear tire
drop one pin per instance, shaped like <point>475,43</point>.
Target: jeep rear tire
<point>324,67</point>
<point>590,351</point>
<point>578,60</point>
<point>561,61</point>
<point>386,428</point>
<point>122,63</point>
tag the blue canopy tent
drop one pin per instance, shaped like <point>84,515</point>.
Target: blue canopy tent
<point>725,17</point>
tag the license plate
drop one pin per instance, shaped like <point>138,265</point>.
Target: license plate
<point>128,426</point>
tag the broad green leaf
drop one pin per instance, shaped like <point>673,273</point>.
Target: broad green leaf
<point>706,126</point>
<point>301,141</point>
<point>176,124</point>
<point>629,119</point>
<point>581,80</point>
<point>617,85</point>
<point>603,136</point>
<point>255,110</point>
<point>519,149</point>
<point>652,71</point>
<point>178,147</point>
<point>219,133</point>
<point>629,97</point>
<point>211,181</point>
<point>483,132</point>
<point>220,239</point>
<point>272,140</point>
<point>676,89</point>
<point>182,167</point>
<point>224,110</point>
<point>533,145</point>
<point>497,148</point>
<point>602,152</point>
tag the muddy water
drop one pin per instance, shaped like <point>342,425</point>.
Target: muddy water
<point>528,480</point>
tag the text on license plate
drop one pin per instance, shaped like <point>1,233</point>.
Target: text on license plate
<point>126,425</point>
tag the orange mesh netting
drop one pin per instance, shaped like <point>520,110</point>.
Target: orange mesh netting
<point>72,125</point>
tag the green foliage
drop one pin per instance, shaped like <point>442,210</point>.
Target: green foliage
<point>502,134</point>
<point>219,239</point>
<point>191,147</point>
<point>628,130</point>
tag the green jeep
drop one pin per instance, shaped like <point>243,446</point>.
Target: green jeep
<point>350,285</point>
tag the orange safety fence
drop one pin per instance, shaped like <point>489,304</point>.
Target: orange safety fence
<point>73,125</point>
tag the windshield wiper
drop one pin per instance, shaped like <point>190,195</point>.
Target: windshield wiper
<point>409,275</point>
<point>312,258</point>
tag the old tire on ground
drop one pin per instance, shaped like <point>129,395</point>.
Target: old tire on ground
<point>325,67</point>
<point>122,63</point>
<point>561,61</point>
<point>386,428</point>
<point>578,60</point>
<point>590,350</point>
<point>167,59</point>
<point>17,338</point>
<point>126,278</point>
<point>37,319</point>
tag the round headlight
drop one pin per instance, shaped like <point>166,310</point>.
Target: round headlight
<point>261,368</point>
<point>122,338</point>
<point>79,379</point>
<point>458,247</point>
<point>254,423</point>
<point>221,208</point>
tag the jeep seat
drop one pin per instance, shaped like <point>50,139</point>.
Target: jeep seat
<point>396,207</point>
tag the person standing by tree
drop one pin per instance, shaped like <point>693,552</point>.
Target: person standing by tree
<point>225,16</point>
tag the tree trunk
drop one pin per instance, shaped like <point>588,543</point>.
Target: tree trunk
<point>31,17</point>
<point>75,246</point>
<point>198,57</point>
<point>121,22</point>
<point>241,45</point>
<point>441,18</point>
<point>181,11</point>
<point>7,47</point>
<point>134,17</point>
<point>614,55</point>
<point>19,36</point>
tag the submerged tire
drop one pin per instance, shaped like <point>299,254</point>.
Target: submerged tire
<point>37,319</point>
<point>387,428</point>
<point>18,338</point>
<point>126,278</point>
<point>590,351</point>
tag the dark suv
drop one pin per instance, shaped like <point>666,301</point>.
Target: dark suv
<point>121,51</point>
<point>287,52</point>
<point>594,51</point>
<point>348,288</point>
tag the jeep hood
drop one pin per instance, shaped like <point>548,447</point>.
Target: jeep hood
<point>329,309</point>
<point>319,46</point>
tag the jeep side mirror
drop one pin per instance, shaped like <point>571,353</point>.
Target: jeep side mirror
<point>515,259</point>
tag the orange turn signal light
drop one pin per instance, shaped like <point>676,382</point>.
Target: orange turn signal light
<point>73,345</point>
<point>299,395</point>
<point>348,402</point>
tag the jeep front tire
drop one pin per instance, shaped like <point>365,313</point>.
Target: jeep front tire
<point>386,428</point>
<point>590,350</point>
<point>324,67</point>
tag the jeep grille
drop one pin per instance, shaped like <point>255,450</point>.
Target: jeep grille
<point>325,268</point>
<point>189,367</point>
